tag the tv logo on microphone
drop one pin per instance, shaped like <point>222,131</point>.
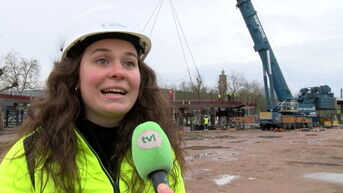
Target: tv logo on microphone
<point>149,139</point>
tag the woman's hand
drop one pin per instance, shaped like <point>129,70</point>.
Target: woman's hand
<point>164,188</point>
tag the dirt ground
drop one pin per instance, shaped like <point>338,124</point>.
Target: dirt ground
<point>255,161</point>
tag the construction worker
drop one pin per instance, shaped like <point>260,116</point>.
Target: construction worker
<point>230,96</point>
<point>206,123</point>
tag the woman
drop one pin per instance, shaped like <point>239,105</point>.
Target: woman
<point>78,138</point>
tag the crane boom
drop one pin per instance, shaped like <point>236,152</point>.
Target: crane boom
<point>274,80</point>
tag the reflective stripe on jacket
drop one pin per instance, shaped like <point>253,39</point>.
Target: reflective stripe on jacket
<point>15,175</point>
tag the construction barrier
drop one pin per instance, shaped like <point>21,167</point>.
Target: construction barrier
<point>286,121</point>
<point>291,119</point>
<point>245,119</point>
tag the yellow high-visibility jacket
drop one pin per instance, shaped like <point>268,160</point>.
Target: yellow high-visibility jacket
<point>15,175</point>
<point>205,120</point>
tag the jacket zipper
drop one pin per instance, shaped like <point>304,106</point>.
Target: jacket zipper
<point>115,184</point>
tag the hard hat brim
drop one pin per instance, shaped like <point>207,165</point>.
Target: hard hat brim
<point>142,43</point>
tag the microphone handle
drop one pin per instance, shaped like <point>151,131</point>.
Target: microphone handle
<point>158,177</point>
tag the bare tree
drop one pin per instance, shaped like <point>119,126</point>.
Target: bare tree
<point>185,91</point>
<point>235,82</point>
<point>192,91</point>
<point>199,89</point>
<point>185,86</point>
<point>252,93</point>
<point>19,73</point>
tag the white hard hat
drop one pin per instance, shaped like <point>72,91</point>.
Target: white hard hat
<point>103,22</point>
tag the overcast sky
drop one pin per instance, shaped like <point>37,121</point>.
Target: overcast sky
<point>306,36</point>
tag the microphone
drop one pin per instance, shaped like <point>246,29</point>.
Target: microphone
<point>152,153</point>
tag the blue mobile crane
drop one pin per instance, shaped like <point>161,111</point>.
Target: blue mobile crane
<point>287,111</point>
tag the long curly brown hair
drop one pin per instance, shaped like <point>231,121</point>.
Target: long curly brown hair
<point>55,141</point>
